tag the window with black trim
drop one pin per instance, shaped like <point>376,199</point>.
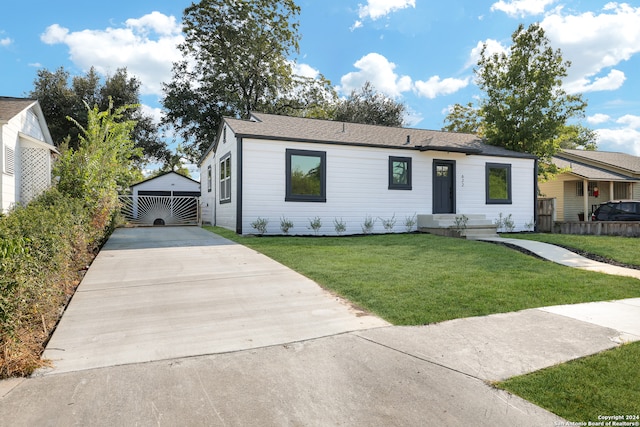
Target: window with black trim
<point>225,179</point>
<point>498,183</point>
<point>209,178</point>
<point>399,173</point>
<point>306,178</point>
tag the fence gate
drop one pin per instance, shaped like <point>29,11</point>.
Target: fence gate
<point>161,210</point>
<point>545,214</point>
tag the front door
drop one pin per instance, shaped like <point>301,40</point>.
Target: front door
<point>444,196</point>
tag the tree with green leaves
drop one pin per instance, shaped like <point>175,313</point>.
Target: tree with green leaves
<point>370,107</point>
<point>464,119</point>
<point>100,163</point>
<point>61,96</point>
<point>235,62</point>
<point>524,107</point>
<point>309,97</point>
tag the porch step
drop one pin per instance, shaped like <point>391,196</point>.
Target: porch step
<point>477,226</point>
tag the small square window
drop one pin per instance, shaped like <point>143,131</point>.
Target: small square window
<point>399,173</point>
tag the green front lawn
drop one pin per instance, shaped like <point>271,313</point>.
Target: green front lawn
<point>606,384</point>
<point>414,279</point>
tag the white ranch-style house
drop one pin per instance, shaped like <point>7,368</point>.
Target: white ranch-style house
<point>26,152</point>
<point>297,169</point>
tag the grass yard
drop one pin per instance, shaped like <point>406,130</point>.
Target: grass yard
<point>606,384</point>
<point>415,279</point>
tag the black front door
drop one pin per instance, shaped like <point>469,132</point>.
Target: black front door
<point>444,196</point>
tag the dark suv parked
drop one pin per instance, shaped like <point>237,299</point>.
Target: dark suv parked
<point>618,210</point>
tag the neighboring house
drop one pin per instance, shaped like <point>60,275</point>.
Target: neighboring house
<point>26,151</point>
<point>167,184</point>
<point>167,199</point>
<point>274,167</point>
<point>593,177</point>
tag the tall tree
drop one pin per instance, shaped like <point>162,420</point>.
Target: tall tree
<point>307,97</point>
<point>62,96</point>
<point>525,108</point>
<point>370,107</point>
<point>235,62</point>
<point>464,119</point>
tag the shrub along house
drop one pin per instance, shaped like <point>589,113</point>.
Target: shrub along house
<point>26,151</point>
<point>296,169</point>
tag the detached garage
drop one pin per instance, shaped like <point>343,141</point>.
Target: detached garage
<point>167,199</point>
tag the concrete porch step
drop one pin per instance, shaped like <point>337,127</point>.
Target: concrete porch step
<point>477,226</point>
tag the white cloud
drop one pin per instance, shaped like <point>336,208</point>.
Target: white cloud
<point>594,43</point>
<point>356,25</point>
<point>147,47</point>
<point>493,46</point>
<point>522,8</point>
<point>435,86</point>
<point>630,120</point>
<point>156,21</point>
<point>5,42</point>
<point>154,112</point>
<point>614,80</point>
<point>626,140</point>
<point>597,119</point>
<point>376,9</point>
<point>376,69</point>
<point>305,70</point>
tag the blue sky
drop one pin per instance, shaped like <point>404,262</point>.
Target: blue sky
<point>420,52</point>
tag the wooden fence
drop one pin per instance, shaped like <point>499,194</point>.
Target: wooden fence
<point>545,215</point>
<point>599,228</point>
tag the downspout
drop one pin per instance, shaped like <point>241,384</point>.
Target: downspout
<point>239,187</point>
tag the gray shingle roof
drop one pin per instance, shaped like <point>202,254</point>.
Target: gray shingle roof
<point>590,172</point>
<point>619,160</point>
<point>274,127</point>
<point>11,107</point>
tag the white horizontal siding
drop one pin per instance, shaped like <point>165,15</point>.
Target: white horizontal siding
<point>357,187</point>
<point>225,213</point>
<point>30,125</point>
<point>168,182</point>
<point>471,190</point>
<point>10,183</point>
<point>207,197</point>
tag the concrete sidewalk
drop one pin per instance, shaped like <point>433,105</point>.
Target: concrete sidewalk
<point>565,257</point>
<point>231,338</point>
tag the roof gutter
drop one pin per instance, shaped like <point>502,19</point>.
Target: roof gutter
<point>423,148</point>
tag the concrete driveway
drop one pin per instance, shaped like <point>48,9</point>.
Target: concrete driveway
<point>177,326</point>
<point>165,293</point>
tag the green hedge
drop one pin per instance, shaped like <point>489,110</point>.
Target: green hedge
<point>44,246</point>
